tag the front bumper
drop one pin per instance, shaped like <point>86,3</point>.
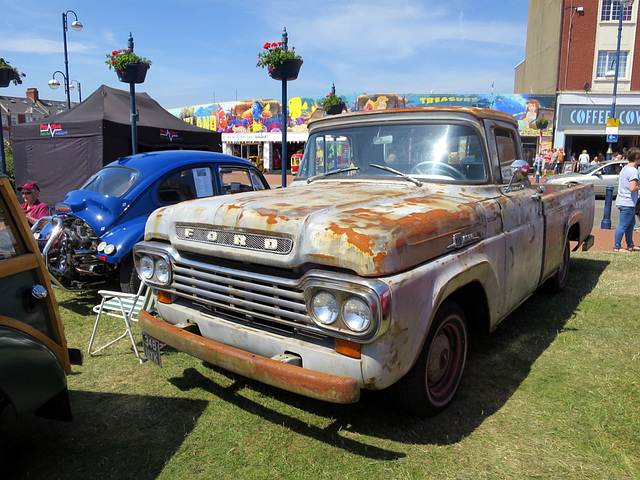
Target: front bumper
<point>317,385</point>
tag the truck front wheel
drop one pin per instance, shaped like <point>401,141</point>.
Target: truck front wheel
<point>129,280</point>
<point>430,385</point>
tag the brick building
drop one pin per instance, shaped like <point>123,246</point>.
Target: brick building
<point>572,51</point>
<point>16,110</point>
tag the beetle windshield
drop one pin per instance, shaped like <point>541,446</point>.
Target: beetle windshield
<point>113,181</point>
<point>430,152</point>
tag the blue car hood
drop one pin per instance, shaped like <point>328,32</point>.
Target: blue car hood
<point>98,210</point>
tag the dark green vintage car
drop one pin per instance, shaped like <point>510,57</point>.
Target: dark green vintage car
<point>34,358</point>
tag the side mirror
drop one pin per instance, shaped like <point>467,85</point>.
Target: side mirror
<point>519,171</point>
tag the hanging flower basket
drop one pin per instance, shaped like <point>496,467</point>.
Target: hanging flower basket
<point>9,74</point>
<point>133,73</point>
<point>335,109</point>
<point>129,67</point>
<point>287,70</point>
<point>5,78</point>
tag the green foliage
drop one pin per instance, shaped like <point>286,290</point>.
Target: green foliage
<point>8,156</point>
<point>15,76</point>
<point>273,55</point>
<point>119,59</point>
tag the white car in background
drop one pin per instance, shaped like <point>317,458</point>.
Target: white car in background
<point>600,175</point>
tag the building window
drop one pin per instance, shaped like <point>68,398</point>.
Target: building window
<point>14,119</point>
<point>611,11</point>
<point>607,61</point>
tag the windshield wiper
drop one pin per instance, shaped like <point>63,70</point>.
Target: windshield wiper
<point>393,170</point>
<point>332,172</point>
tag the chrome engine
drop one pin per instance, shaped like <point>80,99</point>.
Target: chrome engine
<point>69,247</point>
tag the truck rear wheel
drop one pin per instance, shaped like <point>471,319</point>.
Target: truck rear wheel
<point>431,384</point>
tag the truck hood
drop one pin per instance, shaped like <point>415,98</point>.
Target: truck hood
<point>341,224</point>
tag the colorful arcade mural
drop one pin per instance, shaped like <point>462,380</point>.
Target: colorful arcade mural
<point>533,112</point>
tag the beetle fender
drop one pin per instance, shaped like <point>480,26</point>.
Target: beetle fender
<point>124,237</point>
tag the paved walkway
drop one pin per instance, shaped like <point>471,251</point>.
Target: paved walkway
<point>604,240</point>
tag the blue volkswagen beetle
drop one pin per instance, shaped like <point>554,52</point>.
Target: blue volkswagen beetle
<point>91,234</point>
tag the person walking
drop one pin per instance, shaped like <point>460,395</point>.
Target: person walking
<point>583,161</point>
<point>537,166</point>
<point>626,202</point>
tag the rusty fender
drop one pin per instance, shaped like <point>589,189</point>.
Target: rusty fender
<point>317,385</point>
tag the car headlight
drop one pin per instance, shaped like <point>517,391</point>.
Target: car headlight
<point>162,270</point>
<point>109,249</point>
<point>324,307</point>
<point>356,314</point>
<point>145,267</point>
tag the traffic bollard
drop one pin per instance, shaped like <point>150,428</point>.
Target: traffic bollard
<point>606,217</point>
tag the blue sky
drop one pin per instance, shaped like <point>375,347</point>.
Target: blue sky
<point>205,51</point>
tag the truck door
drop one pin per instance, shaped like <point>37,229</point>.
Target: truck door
<point>522,221</point>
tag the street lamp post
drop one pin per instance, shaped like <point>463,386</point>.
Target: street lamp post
<point>77,26</point>
<point>132,104</point>
<point>79,89</point>
<point>55,84</point>
<point>615,73</point>
<point>283,161</point>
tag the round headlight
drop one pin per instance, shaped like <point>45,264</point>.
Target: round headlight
<point>101,246</point>
<point>324,308</point>
<point>109,249</point>
<point>356,314</point>
<point>162,270</point>
<point>145,267</point>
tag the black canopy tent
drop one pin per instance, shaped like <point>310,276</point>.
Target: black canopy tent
<point>63,151</point>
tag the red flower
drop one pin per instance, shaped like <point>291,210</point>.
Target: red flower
<point>116,52</point>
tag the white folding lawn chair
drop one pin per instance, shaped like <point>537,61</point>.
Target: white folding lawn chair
<point>124,306</point>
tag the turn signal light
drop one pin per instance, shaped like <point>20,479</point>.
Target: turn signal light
<point>164,297</point>
<point>345,347</point>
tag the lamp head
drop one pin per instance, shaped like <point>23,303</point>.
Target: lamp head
<point>54,84</point>
<point>610,73</point>
<point>626,3</point>
<point>77,26</point>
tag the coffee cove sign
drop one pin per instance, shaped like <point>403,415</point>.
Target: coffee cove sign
<point>595,117</point>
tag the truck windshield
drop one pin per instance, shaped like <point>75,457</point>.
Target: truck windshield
<point>113,181</point>
<point>430,152</point>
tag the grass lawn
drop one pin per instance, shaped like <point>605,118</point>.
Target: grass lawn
<point>552,394</point>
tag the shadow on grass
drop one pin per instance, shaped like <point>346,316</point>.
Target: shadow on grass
<point>105,439</point>
<point>496,366</point>
<point>82,301</point>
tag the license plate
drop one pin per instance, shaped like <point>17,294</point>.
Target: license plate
<point>151,348</point>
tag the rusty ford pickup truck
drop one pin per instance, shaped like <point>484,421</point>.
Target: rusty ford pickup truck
<point>404,232</point>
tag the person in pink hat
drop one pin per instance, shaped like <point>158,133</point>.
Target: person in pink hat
<point>32,207</point>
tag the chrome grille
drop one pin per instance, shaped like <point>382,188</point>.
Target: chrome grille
<point>242,294</point>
